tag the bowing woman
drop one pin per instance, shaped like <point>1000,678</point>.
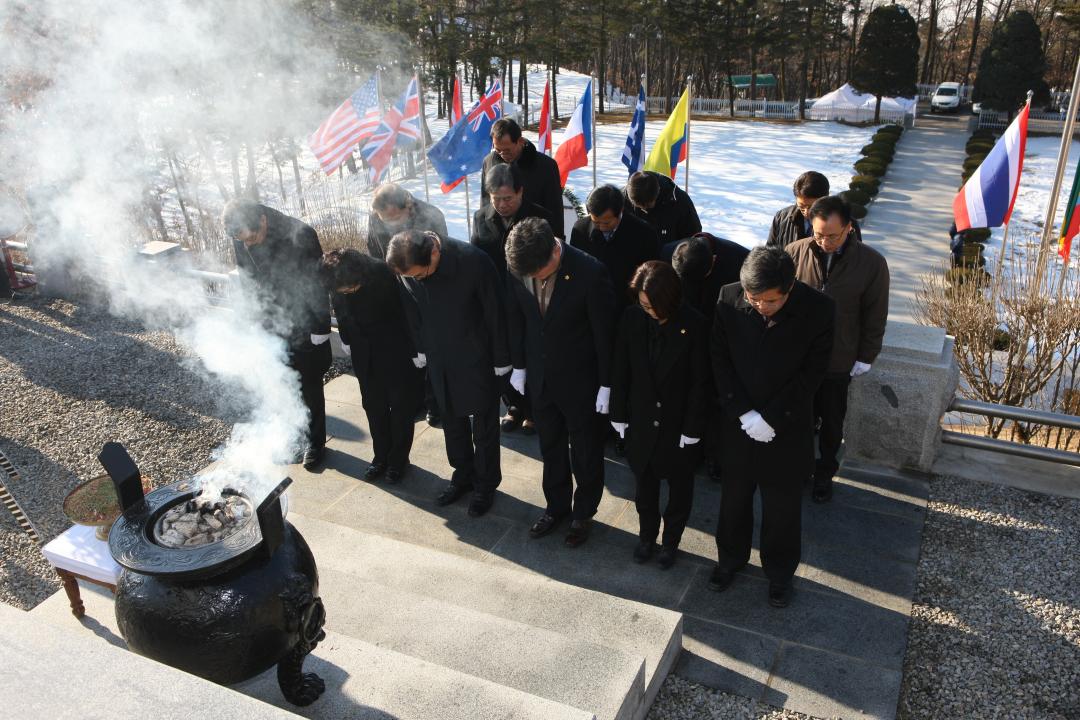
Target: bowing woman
<point>375,334</point>
<point>660,394</point>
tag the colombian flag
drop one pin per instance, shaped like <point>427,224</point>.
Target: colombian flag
<point>1071,227</point>
<point>673,143</point>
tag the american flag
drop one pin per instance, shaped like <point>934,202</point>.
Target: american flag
<point>399,127</point>
<point>353,122</point>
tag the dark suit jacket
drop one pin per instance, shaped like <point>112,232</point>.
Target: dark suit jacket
<point>567,352</point>
<point>540,175</point>
<point>789,225</point>
<point>674,216</point>
<point>728,258</point>
<point>776,371</point>
<point>457,318</point>
<point>663,402</point>
<point>489,231</point>
<point>372,322</point>
<point>284,272</point>
<point>633,243</point>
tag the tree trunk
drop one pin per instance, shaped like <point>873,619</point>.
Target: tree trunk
<point>855,7</point>
<point>931,32</point>
<point>252,183</point>
<point>554,96</point>
<point>296,178</point>
<point>804,68</point>
<point>974,41</point>
<point>877,110</point>
<point>234,161</point>
<point>602,65</point>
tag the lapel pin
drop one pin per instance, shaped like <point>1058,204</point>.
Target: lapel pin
<point>566,277</point>
<point>682,331</point>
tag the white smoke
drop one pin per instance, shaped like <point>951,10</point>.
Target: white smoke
<point>93,90</point>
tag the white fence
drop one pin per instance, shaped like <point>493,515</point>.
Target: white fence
<point>1052,123</point>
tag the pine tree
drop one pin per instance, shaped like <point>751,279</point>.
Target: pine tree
<point>887,58</point>
<point>1012,64</point>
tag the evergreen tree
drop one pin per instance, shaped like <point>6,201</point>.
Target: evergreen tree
<point>1012,64</point>
<point>887,58</point>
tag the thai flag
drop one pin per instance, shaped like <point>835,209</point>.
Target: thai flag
<point>633,155</point>
<point>399,127</point>
<point>987,198</point>
<point>576,142</point>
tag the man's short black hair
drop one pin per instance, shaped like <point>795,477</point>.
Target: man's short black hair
<point>693,259</point>
<point>239,215</point>
<point>345,267</point>
<point>643,188</point>
<point>503,175</point>
<point>767,268</point>
<point>506,127</point>
<point>604,198</point>
<point>410,248</point>
<point>811,185</point>
<point>831,205</point>
<point>529,246</point>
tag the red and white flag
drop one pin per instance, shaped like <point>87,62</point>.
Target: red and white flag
<point>456,112</point>
<point>400,127</point>
<point>544,141</point>
<point>576,142</point>
<point>353,122</point>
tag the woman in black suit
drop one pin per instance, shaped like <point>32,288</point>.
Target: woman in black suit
<point>375,334</point>
<point>660,394</point>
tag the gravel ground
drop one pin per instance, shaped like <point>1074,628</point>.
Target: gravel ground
<point>681,699</point>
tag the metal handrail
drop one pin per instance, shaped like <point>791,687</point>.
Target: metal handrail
<point>981,442</point>
<point>1040,417</point>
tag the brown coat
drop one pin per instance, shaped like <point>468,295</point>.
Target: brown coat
<point>858,281</point>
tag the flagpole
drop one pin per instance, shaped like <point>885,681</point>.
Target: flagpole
<point>1062,160</point>
<point>592,114</point>
<point>468,209</point>
<point>689,105</point>
<point>423,134</point>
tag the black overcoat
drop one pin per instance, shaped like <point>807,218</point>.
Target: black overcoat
<point>540,176</point>
<point>457,319</point>
<point>776,371</point>
<point>567,352</point>
<point>728,258</point>
<point>489,231</point>
<point>632,243</point>
<point>789,225</point>
<point>673,217</point>
<point>663,402</point>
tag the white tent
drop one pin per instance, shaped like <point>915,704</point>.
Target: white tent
<point>845,103</point>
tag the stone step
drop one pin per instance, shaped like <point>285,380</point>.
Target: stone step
<point>54,672</point>
<point>636,629</point>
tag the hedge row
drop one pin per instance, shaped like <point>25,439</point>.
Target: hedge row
<point>876,157</point>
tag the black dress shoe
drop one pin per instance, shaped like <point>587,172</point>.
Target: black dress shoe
<point>822,492</point>
<point>721,579</point>
<point>313,457</point>
<point>511,422</point>
<point>644,551</point>
<point>544,525</point>
<point>579,533</point>
<point>779,594</point>
<point>667,555</point>
<point>481,503</point>
<point>528,427</point>
<point>374,471</point>
<point>394,475</point>
<point>451,493</point>
<point>434,420</point>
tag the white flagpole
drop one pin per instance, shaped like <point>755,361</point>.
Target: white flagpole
<point>593,131</point>
<point>1062,160</point>
<point>468,209</point>
<point>423,134</point>
<point>689,105</point>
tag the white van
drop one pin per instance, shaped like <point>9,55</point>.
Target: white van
<point>946,98</point>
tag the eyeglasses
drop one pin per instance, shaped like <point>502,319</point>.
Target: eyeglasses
<point>830,239</point>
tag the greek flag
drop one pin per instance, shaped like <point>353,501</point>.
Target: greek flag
<point>633,155</point>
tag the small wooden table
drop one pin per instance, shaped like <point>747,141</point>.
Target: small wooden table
<point>76,554</point>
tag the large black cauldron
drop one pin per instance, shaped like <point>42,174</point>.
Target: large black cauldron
<point>226,610</point>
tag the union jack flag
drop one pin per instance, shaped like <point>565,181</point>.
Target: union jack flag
<point>488,109</point>
<point>353,122</point>
<point>400,127</point>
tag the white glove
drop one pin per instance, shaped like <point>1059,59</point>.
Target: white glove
<point>603,400</point>
<point>755,426</point>
<point>420,361</point>
<point>684,441</point>
<point>319,339</point>
<point>346,349</point>
<point>620,428</point>
<point>500,371</point>
<point>517,380</point>
<point>859,368</point>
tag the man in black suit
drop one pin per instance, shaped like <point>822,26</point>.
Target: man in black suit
<point>457,317</point>
<point>771,341</point>
<point>561,324</point>
<point>280,256</point>
<point>620,240</point>
<point>666,207</point>
<point>367,301</point>
<point>704,263</point>
<point>539,173</point>
<point>491,225</point>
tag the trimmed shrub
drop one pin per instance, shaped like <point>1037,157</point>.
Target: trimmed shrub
<point>857,211</point>
<point>882,149</point>
<point>871,190</point>
<point>871,166</point>
<point>978,145</point>
<point>885,138</point>
<point>869,180</point>
<point>976,235</point>
<point>891,129</point>
<point>973,161</point>
<point>984,133</point>
<point>856,197</point>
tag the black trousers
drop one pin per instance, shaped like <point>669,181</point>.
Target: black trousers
<point>571,446</point>
<point>390,405</point>
<point>430,403</point>
<point>677,512</point>
<point>513,399</point>
<point>472,448</point>
<point>714,436</point>
<point>781,525</point>
<point>830,404</point>
<point>312,363</point>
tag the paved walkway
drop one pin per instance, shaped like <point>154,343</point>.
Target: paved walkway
<point>837,650</point>
<point>910,218</point>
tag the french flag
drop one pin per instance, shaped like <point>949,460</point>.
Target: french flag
<point>987,198</point>
<point>576,142</point>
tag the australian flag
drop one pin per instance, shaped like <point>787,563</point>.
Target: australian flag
<point>633,155</point>
<point>461,151</point>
